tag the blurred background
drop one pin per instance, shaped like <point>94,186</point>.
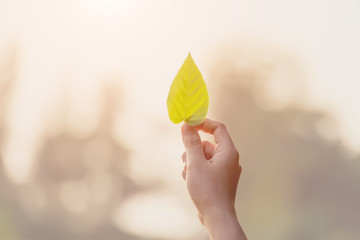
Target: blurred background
<point>87,150</point>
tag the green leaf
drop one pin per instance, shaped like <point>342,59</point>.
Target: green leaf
<point>188,99</point>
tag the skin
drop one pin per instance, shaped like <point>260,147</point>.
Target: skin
<point>211,173</point>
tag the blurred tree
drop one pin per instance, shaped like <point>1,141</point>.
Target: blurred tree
<point>8,62</point>
<point>77,183</point>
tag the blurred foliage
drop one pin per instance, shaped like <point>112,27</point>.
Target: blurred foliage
<point>89,173</point>
<point>296,184</point>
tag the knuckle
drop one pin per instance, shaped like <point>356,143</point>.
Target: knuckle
<point>183,174</point>
<point>221,126</point>
<point>184,156</point>
<point>234,153</point>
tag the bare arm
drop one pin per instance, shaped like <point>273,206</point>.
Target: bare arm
<point>212,173</point>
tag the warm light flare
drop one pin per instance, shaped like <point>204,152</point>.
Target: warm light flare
<point>157,215</point>
<point>106,9</point>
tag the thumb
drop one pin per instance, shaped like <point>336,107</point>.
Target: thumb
<point>192,143</point>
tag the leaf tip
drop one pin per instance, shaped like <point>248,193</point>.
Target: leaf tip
<point>189,59</point>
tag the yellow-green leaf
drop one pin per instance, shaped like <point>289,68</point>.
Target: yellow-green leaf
<point>188,99</point>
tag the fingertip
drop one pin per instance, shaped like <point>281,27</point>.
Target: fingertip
<point>185,128</point>
<point>190,134</point>
<point>200,126</point>
<point>208,149</point>
<point>218,129</point>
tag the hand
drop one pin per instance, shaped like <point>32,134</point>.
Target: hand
<point>212,174</point>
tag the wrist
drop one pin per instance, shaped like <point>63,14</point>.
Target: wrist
<point>222,223</point>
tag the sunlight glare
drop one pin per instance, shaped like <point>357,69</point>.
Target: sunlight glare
<point>155,215</point>
<point>106,9</point>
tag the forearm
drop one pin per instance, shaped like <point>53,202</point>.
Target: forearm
<point>222,223</point>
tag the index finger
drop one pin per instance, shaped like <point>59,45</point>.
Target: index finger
<point>217,129</point>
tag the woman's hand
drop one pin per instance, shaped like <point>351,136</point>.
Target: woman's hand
<point>212,173</point>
